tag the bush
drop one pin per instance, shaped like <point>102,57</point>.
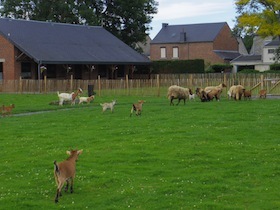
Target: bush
<point>275,66</point>
<point>218,68</point>
<point>178,66</point>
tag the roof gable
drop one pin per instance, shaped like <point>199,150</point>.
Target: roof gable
<point>204,32</point>
<point>48,42</point>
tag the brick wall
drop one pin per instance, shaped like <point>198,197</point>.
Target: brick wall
<point>7,53</point>
<point>203,50</point>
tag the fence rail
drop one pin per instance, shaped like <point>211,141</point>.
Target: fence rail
<point>155,86</point>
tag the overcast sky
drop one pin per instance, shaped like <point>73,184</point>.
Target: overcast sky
<point>177,12</point>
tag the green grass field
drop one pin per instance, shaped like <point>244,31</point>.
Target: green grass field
<point>215,155</point>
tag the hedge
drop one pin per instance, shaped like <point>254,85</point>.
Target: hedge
<point>178,66</point>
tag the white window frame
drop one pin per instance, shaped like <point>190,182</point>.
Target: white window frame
<point>175,52</point>
<point>163,52</point>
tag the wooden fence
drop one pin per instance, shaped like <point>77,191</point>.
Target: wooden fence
<point>155,86</point>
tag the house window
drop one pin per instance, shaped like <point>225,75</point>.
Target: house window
<point>271,51</point>
<point>162,52</point>
<point>175,52</point>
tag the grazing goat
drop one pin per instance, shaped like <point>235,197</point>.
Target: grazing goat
<point>262,94</point>
<point>86,99</point>
<point>192,96</point>
<point>106,106</point>
<point>177,92</point>
<point>65,171</point>
<point>68,96</point>
<point>7,110</point>
<point>137,107</point>
<point>247,94</point>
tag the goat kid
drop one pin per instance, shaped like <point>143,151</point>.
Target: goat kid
<point>65,171</point>
<point>262,94</point>
<point>106,106</point>
<point>7,110</point>
<point>137,107</point>
<point>68,96</point>
<point>86,99</point>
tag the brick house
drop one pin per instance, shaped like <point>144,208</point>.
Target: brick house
<point>83,52</point>
<point>212,42</point>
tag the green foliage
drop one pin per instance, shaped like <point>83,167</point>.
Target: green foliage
<point>178,66</point>
<point>275,66</point>
<point>218,68</point>
<point>257,16</point>
<point>216,155</point>
<point>128,20</point>
<point>248,71</point>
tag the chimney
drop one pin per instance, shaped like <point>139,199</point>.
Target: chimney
<point>183,36</point>
<point>164,25</point>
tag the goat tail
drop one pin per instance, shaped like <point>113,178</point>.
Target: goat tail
<point>57,93</point>
<point>56,169</point>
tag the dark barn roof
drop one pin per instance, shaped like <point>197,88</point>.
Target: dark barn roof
<point>227,55</point>
<point>57,43</point>
<point>204,32</point>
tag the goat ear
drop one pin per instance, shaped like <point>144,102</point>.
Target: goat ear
<point>80,151</point>
<point>68,152</point>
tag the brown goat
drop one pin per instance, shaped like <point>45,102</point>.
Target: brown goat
<point>7,110</point>
<point>137,107</point>
<point>263,94</point>
<point>65,171</point>
<point>247,94</point>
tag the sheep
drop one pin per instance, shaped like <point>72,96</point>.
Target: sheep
<point>177,92</point>
<point>201,94</point>
<point>68,96</point>
<point>65,171</point>
<point>106,106</point>
<point>262,94</point>
<point>7,110</point>
<point>137,107</point>
<point>237,91</point>
<point>247,94</point>
<point>216,91</point>
<point>86,99</point>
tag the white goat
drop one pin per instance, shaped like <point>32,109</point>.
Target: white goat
<point>86,99</point>
<point>68,96</point>
<point>106,106</point>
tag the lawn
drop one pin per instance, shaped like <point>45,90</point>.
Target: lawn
<point>215,155</point>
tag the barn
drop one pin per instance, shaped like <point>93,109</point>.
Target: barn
<point>34,49</point>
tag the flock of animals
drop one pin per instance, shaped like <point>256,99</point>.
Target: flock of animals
<point>174,92</point>
<point>136,107</point>
<point>64,172</point>
<point>209,93</point>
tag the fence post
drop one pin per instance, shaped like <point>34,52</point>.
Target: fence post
<point>127,87</point>
<point>71,82</point>
<point>158,86</point>
<point>20,84</point>
<point>262,81</point>
<point>45,83</point>
<point>99,86</point>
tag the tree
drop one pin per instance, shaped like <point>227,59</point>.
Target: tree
<point>260,17</point>
<point>128,20</point>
